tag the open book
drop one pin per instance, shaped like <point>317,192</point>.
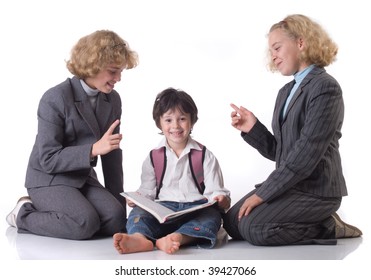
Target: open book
<point>161,213</point>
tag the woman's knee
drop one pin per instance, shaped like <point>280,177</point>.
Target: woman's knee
<point>86,227</point>
<point>115,223</point>
<point>230,224</point>
<point>259,233</point>
<point>241,229</point>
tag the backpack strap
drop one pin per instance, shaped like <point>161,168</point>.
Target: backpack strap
<point>196,160</point>
<point>158,159</point>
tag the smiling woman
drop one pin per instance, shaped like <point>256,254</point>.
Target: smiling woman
<point>296,204</point>
<point>99,59</point>
<point>79,120</point>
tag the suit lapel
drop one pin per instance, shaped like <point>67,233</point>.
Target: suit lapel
<point>103,110</point>
<point>292,101</point>
<point>281,101</point>
<point>87,113</point>
<point>82,104</point>
<point>315,71</point>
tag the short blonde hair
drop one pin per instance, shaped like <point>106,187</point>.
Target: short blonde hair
<point>96,51</point>
<point>319,48</point>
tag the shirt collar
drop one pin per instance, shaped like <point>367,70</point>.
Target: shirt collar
<point>191,144</point>
<point>299,76</point>
<point>89,91</point>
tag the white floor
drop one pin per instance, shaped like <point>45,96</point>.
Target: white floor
<point>32,247</point>
<point>36,257</point>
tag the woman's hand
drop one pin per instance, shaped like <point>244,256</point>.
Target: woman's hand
<point>249,204</point>
<point>242,119</point>
<point>108,142</point>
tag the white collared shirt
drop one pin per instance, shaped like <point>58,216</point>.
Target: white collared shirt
<point>178,184</point>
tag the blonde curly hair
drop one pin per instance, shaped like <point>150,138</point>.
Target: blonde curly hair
<point>319,47</point>
<point>96,51</point>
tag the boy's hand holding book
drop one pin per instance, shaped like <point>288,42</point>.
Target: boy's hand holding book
<point>224,202</point>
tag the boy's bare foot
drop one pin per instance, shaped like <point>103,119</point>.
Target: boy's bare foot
<point>131,243</point>
<point>170,243</point>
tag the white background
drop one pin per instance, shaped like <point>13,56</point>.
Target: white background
<point>214,50</point>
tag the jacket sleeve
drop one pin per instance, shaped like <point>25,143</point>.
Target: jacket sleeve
<point>316,141</point>
<point>55,138</point>
<point>261,139</point>
<point>112,162</point>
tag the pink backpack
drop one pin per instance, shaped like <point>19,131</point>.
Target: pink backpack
<point>196,159</point>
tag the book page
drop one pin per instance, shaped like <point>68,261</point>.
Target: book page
<point>156,209</point>
<point>162,213</point>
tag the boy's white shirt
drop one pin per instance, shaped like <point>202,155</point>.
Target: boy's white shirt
<point>178,184</point>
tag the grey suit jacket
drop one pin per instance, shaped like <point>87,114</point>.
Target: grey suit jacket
<point>67,129</point>
<point>305,143</point>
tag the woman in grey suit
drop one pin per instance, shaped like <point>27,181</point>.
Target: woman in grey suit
<point>298,201</point>
<point>79,120</point>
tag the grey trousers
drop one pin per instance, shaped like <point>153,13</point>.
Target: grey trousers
<point>292,218</point>
<point>71,213</point>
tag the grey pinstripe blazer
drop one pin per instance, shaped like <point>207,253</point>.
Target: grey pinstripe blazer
<point>67,129</point>
<point>305,143</point>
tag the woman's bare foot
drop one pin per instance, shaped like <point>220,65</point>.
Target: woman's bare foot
<point>131,243</point>
<point>170,243</point>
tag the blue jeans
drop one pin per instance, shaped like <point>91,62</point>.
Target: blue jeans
<point>202,224</point>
